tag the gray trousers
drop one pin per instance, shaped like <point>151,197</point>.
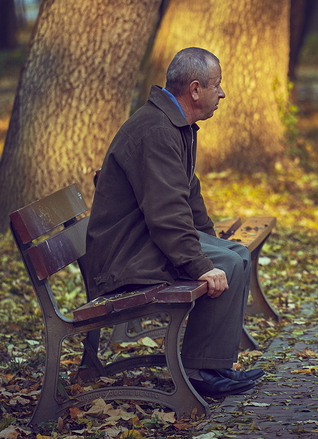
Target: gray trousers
<point>214,326</point>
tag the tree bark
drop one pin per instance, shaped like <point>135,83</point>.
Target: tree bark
<point>251,38</point>
<point>74,93</point>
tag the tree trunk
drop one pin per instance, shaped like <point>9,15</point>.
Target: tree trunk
<point>300,15</point>
<point>8,25</point>
<point>74,93</point>
<point>251,38</point>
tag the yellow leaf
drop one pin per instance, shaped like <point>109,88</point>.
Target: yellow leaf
<point>147,341</point>
<point>309,369</point>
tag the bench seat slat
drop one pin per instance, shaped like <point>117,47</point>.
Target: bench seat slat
<point>108,303</point>
<point>186,291</point>
<point>253,231</point>
<point>178,292</point>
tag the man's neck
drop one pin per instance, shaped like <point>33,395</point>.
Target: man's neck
<point>186,108</point>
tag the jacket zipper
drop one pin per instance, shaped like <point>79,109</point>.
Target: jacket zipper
<point>191,157</point>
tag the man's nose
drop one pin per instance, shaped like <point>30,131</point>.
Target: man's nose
<point>221,93</point>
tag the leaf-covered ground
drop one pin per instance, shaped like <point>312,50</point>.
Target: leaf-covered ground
<point>288,272</point>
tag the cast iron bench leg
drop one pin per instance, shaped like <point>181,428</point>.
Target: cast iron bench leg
<point>260,304</point>
<point>183,399</point>
<point>248,341</point>
<point>49,402</point>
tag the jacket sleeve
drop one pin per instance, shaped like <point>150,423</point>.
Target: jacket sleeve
<point>201,219</point>
<point>162,191</point>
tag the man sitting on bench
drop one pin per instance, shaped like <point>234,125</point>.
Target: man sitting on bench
<point>149,225</point>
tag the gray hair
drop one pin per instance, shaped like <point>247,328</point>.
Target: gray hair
<point>187,65</point>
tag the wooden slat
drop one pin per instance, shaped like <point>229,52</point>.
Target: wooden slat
<point>41,216</point>
<point>107,303</point>
<point>60,250</point>
<point>141,297</point>
<point>178,292</point>
<point>253,231</point>
<point>182,291</point>
<point>101,306</point>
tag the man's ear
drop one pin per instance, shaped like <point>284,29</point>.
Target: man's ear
<point>194,89</point>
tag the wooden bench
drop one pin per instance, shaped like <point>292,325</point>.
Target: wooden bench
<point>44,253</point>
<point>53,253</point>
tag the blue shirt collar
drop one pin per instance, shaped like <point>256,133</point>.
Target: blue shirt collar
<point>175,100</point>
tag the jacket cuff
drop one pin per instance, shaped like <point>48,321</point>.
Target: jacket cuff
<point>197,268</point>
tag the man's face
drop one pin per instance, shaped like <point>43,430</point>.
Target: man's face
<point>210,96</point>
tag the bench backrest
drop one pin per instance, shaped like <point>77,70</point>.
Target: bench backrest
<point>43,251</point>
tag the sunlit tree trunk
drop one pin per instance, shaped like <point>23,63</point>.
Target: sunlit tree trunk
<point>251,38</point>
<point>74,93</point>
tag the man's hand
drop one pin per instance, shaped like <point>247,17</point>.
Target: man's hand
<point>217,282</point>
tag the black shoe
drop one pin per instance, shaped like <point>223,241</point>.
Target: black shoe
<point>217,387</point>
<point>237,375</point>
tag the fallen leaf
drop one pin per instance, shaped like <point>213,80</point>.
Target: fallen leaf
<point>107,380</point>
<point>20,400</point>
<point>165,417</point>
<point>182,426</point>
<point>99,408</point>
<point>140,410</point>
<point>309,369</point>
<point>117,414</point>
<point>11,432</point>
<point>114,432</point>
<point>75,361</point>
<point>258,404</point>
<point>306,353</point>
<point>60,424</point>
<point>147,341</point>
<point>75,412</point>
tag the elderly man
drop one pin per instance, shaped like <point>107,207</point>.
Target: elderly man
<point>149,224</point>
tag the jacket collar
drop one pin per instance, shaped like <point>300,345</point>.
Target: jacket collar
<point>159,98</point>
